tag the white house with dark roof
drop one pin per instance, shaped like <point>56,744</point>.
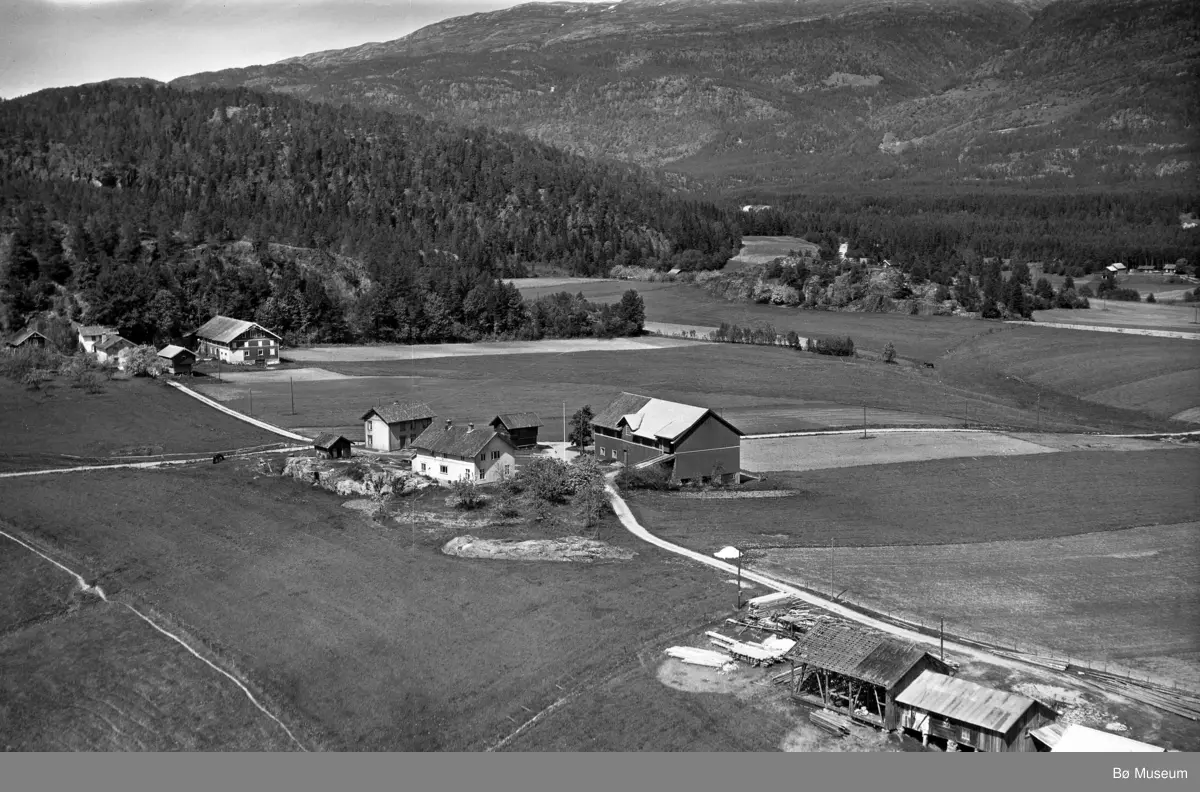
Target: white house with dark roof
<point>451,453</point>
<point>237,341</point>
<point>110,347</point>
<point>90,335</point>
<point>393,427</point>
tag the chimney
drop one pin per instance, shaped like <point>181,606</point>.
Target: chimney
<point>470,427</point>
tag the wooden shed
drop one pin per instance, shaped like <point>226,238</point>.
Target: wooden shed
<point>856,670</point>
<point>969,716</point>
<point>332,446</point>
<point>521,428</point>
<point>177,359</point>
<point>28,338</point>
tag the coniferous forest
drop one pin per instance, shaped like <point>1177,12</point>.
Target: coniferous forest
<point>151,209</point>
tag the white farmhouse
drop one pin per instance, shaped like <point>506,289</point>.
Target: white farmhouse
<point>451,453</point>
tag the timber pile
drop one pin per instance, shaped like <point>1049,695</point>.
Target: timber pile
<point>700,657</point>
<point>834,724</point>
<point>785,620</point>
<point>768,652</point>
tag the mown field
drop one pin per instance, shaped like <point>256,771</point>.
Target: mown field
<point>364,636</point>
<point>1149,316</point>
<point>850,450</point>
<point>60,426</point>
<point>777,389</point>
<point>942,501</point>
<point>1129,597</point>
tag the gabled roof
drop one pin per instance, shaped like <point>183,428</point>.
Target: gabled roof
<point>94,330</point>
<point>966,702</point>
<point>654,419</point>
<point>401,411</point>
<point>24,336</point>
<point>521,420</point>
<point>858,652</point>
<point>224,329</point>
<point>172,351</point>
<point>455,441</point>
<point>113,342</point>
<point>327,440</point>
<point>1081,739</point>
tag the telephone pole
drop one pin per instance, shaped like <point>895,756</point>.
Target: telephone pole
<point>292,393</point>
<point>251,392</point>
<point>566,439</point>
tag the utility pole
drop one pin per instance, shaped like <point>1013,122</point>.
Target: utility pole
<point>251,392</point>
<point>292,393</point>
<point>942,634</point>
<point>218,368</point>
<point>566,439</point>
<point>831,568</point>
<point>864,421</point>
<point>1038,409</point>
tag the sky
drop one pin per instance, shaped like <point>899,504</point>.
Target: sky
<point>52,43</point>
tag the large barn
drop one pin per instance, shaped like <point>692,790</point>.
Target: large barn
<point>856,670</point>
<point>393,427</point>
<point>967,716</point>
<point>693,442</point>
<point>452,453</point>
<point>237,341</point>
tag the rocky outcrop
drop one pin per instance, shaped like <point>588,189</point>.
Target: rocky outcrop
<point>568,548</point>
<point>350,477</point>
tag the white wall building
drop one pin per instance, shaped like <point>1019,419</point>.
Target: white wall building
<point>450,453</point>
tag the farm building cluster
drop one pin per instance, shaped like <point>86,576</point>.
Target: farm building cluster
<point>852,674</point>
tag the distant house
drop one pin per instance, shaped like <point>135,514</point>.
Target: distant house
<point>640,431</point>
<point>237,341</point>
<point>332,446</point>
<point>1117,268</point>
<point>177,359</point>
<point>1075,738</point>
<point>109,349</point>
<point>1170,269</point>
<point>90,335</point>
<point>28,338</point>
<point>394,426</point>
<point>967,715</point>
<point>452,453</point>
<point>521,428</point>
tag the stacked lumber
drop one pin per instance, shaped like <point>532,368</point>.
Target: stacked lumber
<point>700,657</point>
<point>769,651</point>
<point>830,722</point>
<point>770,601</point>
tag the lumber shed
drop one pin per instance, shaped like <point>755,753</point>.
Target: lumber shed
<point>857,671</point>
<point>967,716</point>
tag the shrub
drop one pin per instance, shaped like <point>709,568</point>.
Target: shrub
<point>838,347</point>
<point>466,495</point>
<point>143,361</point>
<point>18,363</point>
<point>356,471</point>
<point>507,506</point>
<point>1150,298</point>
<point>654,478</point>
<point>547,479</point>
<point>889,353</point>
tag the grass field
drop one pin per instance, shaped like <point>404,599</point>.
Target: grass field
<point>836,451</point>
<point>777,389</point>
<point>346,354</point>
<point>1150,316</point>
<point>942,501</point>
<point>1129,597</point>
<point>365,637</point>
<point>61,426</point>
<point>765,249</point>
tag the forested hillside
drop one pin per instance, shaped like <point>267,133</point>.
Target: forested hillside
<point>149,208</point>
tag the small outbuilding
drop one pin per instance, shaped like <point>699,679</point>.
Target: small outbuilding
<point>1075,738</point>
<point>177,359</point>
<point>856,670</point>
<point>28,338</point>
<point>521,428</point>
<point>967,716</point>
<point>393,427</point>
<point>332,446</point>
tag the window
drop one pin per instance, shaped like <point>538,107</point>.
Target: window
<point>444,469</point>
<point>481,457</point>
<point>422,467</point>
<point>495,455</point>
<point>370,441</point>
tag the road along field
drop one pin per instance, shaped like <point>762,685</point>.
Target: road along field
<point>771,388</point>
<point>361,635</point>
<point>130,421</point>
<point>1130,597</point>
<point>942,501</point>
<point>818,452</point>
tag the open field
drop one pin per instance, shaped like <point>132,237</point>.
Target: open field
<point>365,636</point>
<point>1130,597</point>
<point>943,501</point>
<point>1150,316</point>
<point>774,389</point>
<point>765,249</point>
<point>348,354</point>
<point>62,426</point>
<point>836,451</point>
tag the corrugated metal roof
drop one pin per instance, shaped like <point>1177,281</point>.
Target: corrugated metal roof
<point>457,441</point>
<point>966,702</point>
<point>518,420</point>
<point>224,329</point>
<point>858,652</point>
<point>326,440</point>
<point>401,411</point>
<point>1081,739</point>
<point>172,351</point>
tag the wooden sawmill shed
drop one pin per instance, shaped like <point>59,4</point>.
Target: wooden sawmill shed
<point>856,670</point>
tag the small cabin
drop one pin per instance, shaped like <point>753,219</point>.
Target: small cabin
<point>521,428</point>
<point>332,446</point>
<point>177,359</point>
<point>28,338</point>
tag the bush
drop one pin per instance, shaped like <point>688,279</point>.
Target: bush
<point>838,347</point>
<point>356,471</point>
<point>466,495</point>
<point>507,506</point>
<point>889,353</point>
<point>1150,298</point>
<point>17,364</point>
<point>654,478</point>
<point>547,479</point>
<point>143,361</point>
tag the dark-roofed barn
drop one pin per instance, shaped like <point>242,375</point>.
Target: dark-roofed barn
<point>451,453</point>
<point>333,446</point>
<point>856,670</point>
<point>963,714</point>
<point>695,442</point>
<point>521,428</point>
<point>393,427</point>
<point>28,338</point>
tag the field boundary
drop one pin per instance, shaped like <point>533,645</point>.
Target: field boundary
<point>238,415</point>
<point>1111,329</point>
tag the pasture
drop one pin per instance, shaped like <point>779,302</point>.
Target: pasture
<point>850,450</point>
<point>943,501</point>
<point>559,346</point>
<point>1128,597</point>
<point>771,388</point>
<point>765,249</point>
<point>361,635</point>
<point>1180,317</point>
<point>130,421</point>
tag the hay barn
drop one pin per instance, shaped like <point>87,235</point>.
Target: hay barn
<point>521,428</point>
<point>856,670</point>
